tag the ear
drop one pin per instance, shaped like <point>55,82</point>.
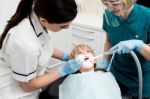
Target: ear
<point>43,21</point>
<point>95,61</point>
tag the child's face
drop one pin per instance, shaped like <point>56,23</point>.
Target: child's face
<point>87,64</point>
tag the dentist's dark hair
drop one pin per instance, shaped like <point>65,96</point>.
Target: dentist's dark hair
<point>54,11</point>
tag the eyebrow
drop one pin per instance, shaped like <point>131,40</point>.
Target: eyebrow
<point>112,2</point>
<point>64,26</point>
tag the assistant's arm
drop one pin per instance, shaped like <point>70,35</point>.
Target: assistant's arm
<point>107,46</point>
<point>145,51</point>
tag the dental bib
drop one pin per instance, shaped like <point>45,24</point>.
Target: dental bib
<point>90,85</point>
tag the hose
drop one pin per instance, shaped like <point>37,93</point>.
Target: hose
<point>140,75</point>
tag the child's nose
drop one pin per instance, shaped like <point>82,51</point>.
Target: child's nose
<point>85,52</point>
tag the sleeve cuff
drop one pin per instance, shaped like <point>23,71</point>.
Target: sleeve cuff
<point>24,77</point>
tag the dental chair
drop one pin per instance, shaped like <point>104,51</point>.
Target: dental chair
<point>52,90</point>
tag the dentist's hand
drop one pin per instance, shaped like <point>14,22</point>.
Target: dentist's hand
<point>71,66</point>
<point>126,46</point>
<point>104,65</point>
<point>65,56</point>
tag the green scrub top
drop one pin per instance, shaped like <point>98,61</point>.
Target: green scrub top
<point>123,67</point>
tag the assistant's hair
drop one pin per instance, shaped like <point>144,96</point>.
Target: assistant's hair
<point>54,11</point>
<point>128,3</point>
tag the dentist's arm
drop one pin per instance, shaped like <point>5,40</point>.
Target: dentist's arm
<point>58,54</point>
<point>41,81</point>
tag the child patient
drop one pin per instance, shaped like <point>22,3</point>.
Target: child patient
<point>88,83</point>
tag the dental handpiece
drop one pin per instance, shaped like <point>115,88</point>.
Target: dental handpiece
<point>98,56</point>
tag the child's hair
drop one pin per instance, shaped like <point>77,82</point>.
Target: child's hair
<point>77,50</point>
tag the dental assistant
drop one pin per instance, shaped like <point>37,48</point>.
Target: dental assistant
<point>127,26</point>
<point>26,47</point>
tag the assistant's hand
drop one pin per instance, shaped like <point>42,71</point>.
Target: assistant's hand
<point>104,65</point>
<point>71,66</point>
<point>126,46</point>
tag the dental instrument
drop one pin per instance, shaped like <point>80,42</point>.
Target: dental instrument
<point>101,55</point>
<point>106,53</point>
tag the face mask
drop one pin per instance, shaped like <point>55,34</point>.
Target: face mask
<point>114,12</point>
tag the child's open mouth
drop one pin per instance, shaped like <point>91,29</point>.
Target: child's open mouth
<point>86,58</point>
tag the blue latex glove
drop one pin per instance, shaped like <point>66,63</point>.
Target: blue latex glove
<point>71,66</point>
<point>65,57</point>
<point>104,65</point>
<point>126,46</point>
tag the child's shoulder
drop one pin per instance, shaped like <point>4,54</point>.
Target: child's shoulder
<point>102,70</point>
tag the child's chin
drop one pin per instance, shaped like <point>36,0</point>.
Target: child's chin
<point>87,67</point>
<point>87,64</point>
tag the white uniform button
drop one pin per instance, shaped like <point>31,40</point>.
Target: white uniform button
<point>136,36</point>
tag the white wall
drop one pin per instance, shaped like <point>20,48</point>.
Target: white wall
<point>90,7</point>
<point>7,9</point>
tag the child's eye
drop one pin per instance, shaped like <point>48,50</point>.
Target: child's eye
<point>79,53</point>
<point>89,51</point>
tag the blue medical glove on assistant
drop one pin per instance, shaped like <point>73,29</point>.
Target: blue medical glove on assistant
<point>65,57</point>
<point>104,65</point>
<point>71,66</point>
<point>126,46</point>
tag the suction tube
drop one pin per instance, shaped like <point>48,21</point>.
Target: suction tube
<point>140,75</point>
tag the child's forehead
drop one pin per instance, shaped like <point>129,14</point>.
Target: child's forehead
<point>84,49</point>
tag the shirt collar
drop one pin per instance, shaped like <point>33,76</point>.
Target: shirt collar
<point>36,24</point>
<point>134,11</point>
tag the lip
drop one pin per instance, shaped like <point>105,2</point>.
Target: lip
<point>86,58</point>
<point>116,11</point>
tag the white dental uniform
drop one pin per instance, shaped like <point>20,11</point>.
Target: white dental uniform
<point>25,53</point>
<point>90,85</point>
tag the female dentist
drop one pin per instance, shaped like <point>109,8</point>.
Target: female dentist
<point>26,47</point>
<point>128,28</point>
